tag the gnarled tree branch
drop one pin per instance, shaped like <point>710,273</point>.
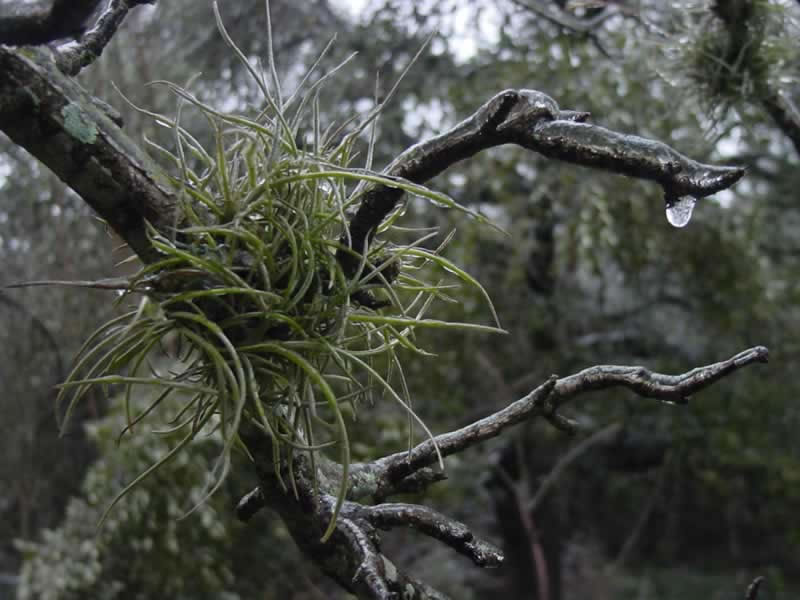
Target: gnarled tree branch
<point>544,401</point>
<point>436,525</point>
<point>353,557</point>
<point>534,121</point>
<point>72,59</point>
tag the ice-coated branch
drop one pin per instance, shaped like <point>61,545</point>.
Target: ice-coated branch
<point>71,59</point>
<point>533,120</point>
<point>54,119</point>
<point>593,146</point>
<point>68,19</point>
<point>544,401</point>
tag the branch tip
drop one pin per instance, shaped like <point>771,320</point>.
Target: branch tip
<point>250,504</point>
<point>752,590</point>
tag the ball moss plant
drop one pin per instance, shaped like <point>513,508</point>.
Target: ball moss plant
<point>733,51</point>
<point>261,324</point>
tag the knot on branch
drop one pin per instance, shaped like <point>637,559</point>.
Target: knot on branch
<point>531,107</point>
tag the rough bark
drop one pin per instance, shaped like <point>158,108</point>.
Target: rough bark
<point>62,125</point>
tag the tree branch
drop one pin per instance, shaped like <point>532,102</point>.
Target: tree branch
<point>534,121</point>
<point>387,472</point>
<point>352,555</point>
<point>752,590</point>
<point>676,389</point>
<point>92,43</point>
<point>63,126</point>
<point>58,122</point>
<point>436,525</point>
<point>568,21</point>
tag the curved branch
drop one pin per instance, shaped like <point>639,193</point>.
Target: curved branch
<point>752,590</point>
<point>387,472</point>
<point>570,22</point>
<point>436,525</point>
<point>92,43</point>
<point>58,122</point>
<point>534,121</point>
<point>676,389</point>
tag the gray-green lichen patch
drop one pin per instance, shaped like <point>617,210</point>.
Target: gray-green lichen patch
<point>77,125</point>
<point>363,483</point>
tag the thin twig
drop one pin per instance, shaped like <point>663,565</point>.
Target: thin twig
<point>644,516</point>
<point>607,433</point>
<point>526,518</point>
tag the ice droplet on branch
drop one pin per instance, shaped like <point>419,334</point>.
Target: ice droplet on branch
<point>679,210</point>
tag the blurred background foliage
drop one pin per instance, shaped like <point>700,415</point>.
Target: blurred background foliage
<point>679,502</point>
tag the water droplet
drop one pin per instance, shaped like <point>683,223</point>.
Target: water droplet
<point>679,210</point>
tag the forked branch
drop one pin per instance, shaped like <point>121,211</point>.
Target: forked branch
<point>71,59</point>
<point>68,19</point>
<point>352,556</point>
